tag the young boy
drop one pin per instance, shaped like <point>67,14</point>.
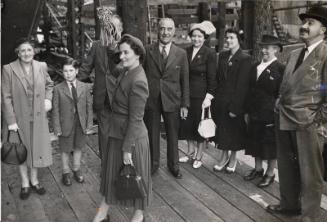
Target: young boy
<point>72,119</point>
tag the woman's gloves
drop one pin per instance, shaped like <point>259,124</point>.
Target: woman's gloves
<point>47,105</point>
<point>207,101</point>
<point>13,127</point>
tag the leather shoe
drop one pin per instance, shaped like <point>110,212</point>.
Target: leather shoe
<point>253,174</point>
<point>78,176</point>
<point>176,174</point>
<point>25,193</point>
<point>66,180</point>
<point>279,210</point>
<point>266,181</point>
<point>38,189</point>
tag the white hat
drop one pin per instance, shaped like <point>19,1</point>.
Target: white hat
<point>206,26</point>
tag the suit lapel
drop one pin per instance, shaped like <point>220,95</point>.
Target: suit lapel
<point>266,72</point>
<point>79,88</point>
<point>66,90</point>
<point>189,52</point>
<point>155,53</point>
<point>18,71</point>
<point>198,56</point>
<point>172,55</point>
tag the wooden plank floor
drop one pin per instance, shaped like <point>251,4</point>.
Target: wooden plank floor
<point>202,195</point>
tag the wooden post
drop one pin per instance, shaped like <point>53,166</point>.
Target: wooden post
<point>247,23</point>
<point>97,23</point>
<point>134,17</point>
<point>204,11</point>
<point>220,25</point>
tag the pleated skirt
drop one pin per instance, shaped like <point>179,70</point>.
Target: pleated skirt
<point>112,161</point>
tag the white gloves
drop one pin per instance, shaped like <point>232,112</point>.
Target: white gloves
<point>13,127</point>
<point>207,101</point>
<point>47,105</point>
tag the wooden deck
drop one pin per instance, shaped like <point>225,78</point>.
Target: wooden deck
<point>200,196</point>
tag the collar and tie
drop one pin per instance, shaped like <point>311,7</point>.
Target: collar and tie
<point>301,58</point>
<point>164,52</point>
<point>74,94</point>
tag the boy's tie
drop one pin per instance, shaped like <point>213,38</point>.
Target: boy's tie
<point>74,93</point>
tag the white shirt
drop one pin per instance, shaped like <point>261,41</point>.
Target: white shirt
<point>167,47</point>
<point>311,48</point>
<point>195,51</point>
<point>263,65</point>
<point>70,86</point>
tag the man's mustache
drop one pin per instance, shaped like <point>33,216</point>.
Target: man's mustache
<point>304,30</point>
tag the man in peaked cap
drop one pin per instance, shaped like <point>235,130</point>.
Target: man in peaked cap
<point>302,114</point>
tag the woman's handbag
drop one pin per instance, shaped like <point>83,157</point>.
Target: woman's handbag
<point>207,127</point>
<point>13,152</point>
<point>129,185</point>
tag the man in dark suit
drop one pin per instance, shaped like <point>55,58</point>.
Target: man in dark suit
<point>302,113</point>
<point>167,71</point>
<point>103,58</point>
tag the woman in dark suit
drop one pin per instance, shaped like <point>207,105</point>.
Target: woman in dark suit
<point>233,85</point>
<point>266,77</point>
<point>26,98</point>
<point>128,136</point>
<point>202,72</point>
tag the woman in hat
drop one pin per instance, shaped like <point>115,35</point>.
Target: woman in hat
<point>202,72</point>
<point>128,136</point>
<point>229,103</point>
<point>26,98</point>
<point>266,77</point>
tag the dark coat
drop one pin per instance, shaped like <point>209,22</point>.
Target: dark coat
<point>264,92</point>
<point>128,105</point>
<point>15,109</point>
<point>105,64</point>
<point>170,82</point>
<point>202,71</point>
<point>63,110</point>
<point>233,78</point>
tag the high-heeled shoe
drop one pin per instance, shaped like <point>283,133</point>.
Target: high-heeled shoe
<point>197,162</point>
<point>106,219</point>
<point>219,168</point>
<point>231,169</point>
<point>186,158</point>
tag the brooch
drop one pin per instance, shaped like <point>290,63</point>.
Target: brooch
<point>271,78</point>
<point>268,70</point>
<point>230,64</point>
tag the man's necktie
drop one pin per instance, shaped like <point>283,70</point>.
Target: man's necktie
<point>164,53</point>
<point>300,59</point>
<point>74,94</point>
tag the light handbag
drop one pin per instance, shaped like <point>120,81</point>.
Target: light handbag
<point>13,152</point>
<point>129,185</point>
<point>207,127</point>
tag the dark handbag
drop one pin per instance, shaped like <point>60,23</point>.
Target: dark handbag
<point>129,185</point>
<point>13,152</point>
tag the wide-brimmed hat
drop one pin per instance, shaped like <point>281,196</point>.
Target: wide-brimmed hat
<point>206,26</point>
<point>316,12</point>
<point>271,40</point>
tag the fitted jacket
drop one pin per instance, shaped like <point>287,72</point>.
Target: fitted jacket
<point>170,82</point>
<point>233,79</point>
<point>303,91</point>
<point>264,91</point>
<point>63,109</point>
<point>15,106</point>
<point>202,71</point>
<point>128,103</point>
<point>105,64</point>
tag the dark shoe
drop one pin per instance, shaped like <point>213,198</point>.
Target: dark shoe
<point>266,181</point>
<point>254,174</point>
<point>78,176</point>
<point>277,209</point>
<point>107,219</point>
<point>38,189</point>
<point>24,193</point>
<point>177,174</point>
<point>66,180</point>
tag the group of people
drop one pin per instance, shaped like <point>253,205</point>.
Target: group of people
<point>274,112</point>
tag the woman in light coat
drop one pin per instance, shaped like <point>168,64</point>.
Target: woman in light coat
<point>26,98</point>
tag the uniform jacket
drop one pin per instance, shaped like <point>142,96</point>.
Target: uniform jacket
<point>170,82</point>
<point>202,71</point>
<point>14,106</point>
<point>104,62</point>
<point>301,93</point>
<point>264,91</point>
<point>128,103</point>
<point>63,109</point>
<point>233,79</point>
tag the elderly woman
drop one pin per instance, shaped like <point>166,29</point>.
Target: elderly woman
<point>233,78</point>
<point>26,98</point>
<point>128,136</point>
<point>202,68</point>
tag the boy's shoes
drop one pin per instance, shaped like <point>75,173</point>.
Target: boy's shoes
<point>38,189</point>
<point>66,180</point>
<point>25,193</point>
<point>78,176</point>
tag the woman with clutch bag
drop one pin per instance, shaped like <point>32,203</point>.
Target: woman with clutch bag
<point>128,136</point>
<point>26,99</point>
<point>202,63</point>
